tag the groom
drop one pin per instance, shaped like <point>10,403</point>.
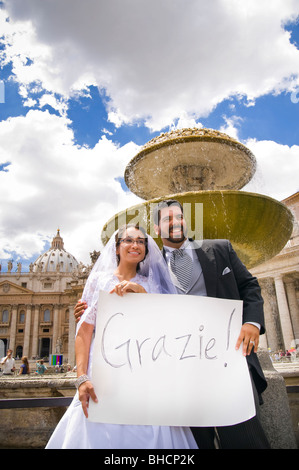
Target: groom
<point>212,268</point>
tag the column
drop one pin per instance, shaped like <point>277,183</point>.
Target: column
<point>293,305</point>
<point>72,334</point>
<point>263,339</point>
<point>263,342</point>
<point>55,328</point>
<point>284,314</point>
<point>34,351</point>
<point>13,328</point>
<point>27,332</point>
<point>271,338</point>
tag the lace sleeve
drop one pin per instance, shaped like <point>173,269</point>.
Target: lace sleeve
<point>96,282</point>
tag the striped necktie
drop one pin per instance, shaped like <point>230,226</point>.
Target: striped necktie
<point>181,266</point>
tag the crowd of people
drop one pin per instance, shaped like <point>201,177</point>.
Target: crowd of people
<point>290,355</point>
<point>9,366</point>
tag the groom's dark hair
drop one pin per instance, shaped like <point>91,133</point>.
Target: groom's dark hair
<point>161,205</point>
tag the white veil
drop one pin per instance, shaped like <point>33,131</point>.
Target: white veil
<point>153,267</point>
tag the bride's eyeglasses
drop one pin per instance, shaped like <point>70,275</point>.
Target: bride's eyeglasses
<point>131,241</point>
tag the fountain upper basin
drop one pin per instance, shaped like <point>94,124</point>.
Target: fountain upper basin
<point>189,160</point>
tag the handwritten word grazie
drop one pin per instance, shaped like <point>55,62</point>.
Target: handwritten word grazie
<point>134,351</point>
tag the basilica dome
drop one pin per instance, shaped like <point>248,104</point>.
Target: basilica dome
<point>56,259</point>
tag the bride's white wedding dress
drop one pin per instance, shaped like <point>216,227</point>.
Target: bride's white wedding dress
<point>74,431</point>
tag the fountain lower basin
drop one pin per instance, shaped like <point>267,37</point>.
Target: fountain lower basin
<point>257,225</point>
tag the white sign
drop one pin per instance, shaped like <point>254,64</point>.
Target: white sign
<point>169,360</point>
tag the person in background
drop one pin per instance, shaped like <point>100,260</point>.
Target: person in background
<point>8,363</point>
<point>41,368</point>
<point>24,368</point>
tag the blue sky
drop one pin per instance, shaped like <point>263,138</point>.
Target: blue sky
<point>86,84</point>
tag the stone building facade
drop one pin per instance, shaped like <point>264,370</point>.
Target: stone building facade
<point>279,280</point>
<point>36,307</point>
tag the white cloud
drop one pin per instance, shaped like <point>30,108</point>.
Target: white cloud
<point>277,169</point>
<point>156,60</point>
<point>230,127</point>
<point>277,165</point>
<point>51,100</point>
<point>51,183</point>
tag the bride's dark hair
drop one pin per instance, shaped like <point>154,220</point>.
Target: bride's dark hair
<point>119,237</point>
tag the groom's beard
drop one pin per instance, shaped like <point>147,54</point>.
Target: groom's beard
<point>177,236</point>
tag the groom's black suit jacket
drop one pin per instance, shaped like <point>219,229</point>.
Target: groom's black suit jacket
<point>226,277</point>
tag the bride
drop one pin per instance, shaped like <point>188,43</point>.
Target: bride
<point>130,262</point>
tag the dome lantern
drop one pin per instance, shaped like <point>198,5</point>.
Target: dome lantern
<point>57,242</point>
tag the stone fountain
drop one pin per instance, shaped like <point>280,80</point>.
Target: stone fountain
<point>205,169</point>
